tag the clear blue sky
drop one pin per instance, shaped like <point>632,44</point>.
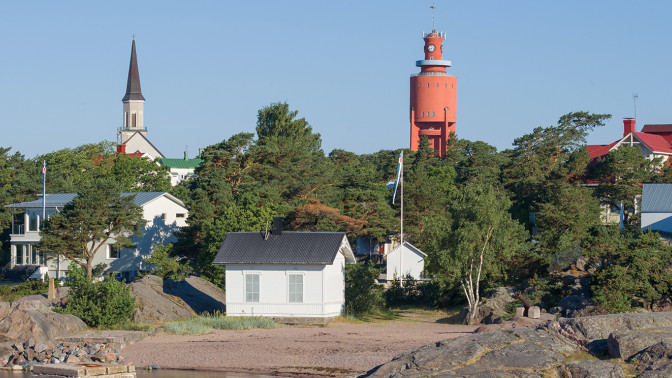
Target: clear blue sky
<point>206,67</point>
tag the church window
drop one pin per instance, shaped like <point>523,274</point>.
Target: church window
<point>432,114</point>
<point>419,85</point>
<point>437,85</point>
<point>134,120</point>
<point>126,120</point>
<point>446,85</point>
<point>427,85</point>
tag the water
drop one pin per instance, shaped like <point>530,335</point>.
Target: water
<point>162,373</point>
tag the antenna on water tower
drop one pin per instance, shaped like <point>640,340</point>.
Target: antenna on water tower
<point>635,96</point>
<point>433,24</point>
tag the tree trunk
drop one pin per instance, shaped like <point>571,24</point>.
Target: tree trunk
<point>89,269</point>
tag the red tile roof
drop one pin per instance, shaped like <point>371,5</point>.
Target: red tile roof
<point>597,150</point>
<point>657,128</point>
<point>655,142</point>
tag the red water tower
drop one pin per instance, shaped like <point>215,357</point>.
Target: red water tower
<point>432,97</point>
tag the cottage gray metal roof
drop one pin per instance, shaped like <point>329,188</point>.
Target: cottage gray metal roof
<point>61,199</point>
<point>657,198</point>
<point>290,247</point>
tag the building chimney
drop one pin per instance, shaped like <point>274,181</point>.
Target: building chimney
<point>628,126</point>
<point>277,226</point>
<point>186,155</point>
<point>121,148</point>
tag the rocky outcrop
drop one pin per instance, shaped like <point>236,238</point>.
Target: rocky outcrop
<point>31,323</point>
<point>158,300</point>
<point>643,340</point>
<point>492,308</point>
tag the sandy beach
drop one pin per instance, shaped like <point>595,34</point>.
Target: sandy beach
<point>339,349</point>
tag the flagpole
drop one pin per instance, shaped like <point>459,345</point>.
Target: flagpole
<point>401,247</point>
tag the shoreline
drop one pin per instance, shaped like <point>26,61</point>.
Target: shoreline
<point>341,348</point>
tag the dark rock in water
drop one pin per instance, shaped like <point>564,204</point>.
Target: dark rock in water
<point>590,369</point>
<point>159,300</point>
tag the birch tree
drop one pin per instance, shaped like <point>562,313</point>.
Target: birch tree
<point>479,242</point>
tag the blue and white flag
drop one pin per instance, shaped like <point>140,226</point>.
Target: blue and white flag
<point>401,164</point>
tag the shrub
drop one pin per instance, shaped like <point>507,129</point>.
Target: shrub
<point>98,304</point>
<point>166,266</point>
<point>9,293</point>
<point>637,272</point>
<point>362,295</point>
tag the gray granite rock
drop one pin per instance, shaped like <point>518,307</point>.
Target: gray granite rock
<point>626,344</point>
<point>590,369</point>
<point>159,300</point>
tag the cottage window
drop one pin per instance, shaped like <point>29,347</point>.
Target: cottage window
<point>114,251</point>
<point>252,288</point>
<point>296,288</point>
<point>179,215</point>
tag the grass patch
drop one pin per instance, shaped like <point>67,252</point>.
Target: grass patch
<point>236,323</point>
<point>187,327</point>
<point>129,326</point>
<point>580,355</point>
<point>200,325</point>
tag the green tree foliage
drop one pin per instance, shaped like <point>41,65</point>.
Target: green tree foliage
<point>362,295</point>
<point>98,304</point>
<point>15,186</point>
<point>546,155</point>
<point>621,174</point>
<point>166,266</point>
<point>638,270</point>
<point>479,241</point>
<point>566,213</point>
<point>98,214</point>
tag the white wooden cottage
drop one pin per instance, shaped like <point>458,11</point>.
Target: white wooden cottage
<point>285,274</point>
<point>403,260</point>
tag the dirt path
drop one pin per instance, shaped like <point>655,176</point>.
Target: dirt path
<point>339,349</point>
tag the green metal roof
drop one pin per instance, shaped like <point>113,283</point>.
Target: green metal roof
<point>181,163</point>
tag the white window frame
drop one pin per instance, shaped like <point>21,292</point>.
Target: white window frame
<point>109,252</point>
<point>289,287</point>
<point>245,287</point>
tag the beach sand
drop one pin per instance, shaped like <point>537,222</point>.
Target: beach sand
<point>341,348</point>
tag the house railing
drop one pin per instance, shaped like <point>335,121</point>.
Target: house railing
<point>18,229</point>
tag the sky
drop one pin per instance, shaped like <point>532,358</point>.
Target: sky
<point>207,67</point>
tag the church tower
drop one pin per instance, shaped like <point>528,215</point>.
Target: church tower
<point>432,105</point>
<point>134,102</point>
<point>133,134</point>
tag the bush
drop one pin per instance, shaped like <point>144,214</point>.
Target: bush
<point>9,293</point>
<point>362,295</point>
<point>167,266</point>
<point>98,304</point>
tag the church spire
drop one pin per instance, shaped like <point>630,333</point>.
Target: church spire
<point>133,84</point>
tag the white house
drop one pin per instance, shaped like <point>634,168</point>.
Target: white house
<point>163,212</point>
<point>181,169</point>
<point>404,260</point>
<point>285,274</point>
<point>657,208</point>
